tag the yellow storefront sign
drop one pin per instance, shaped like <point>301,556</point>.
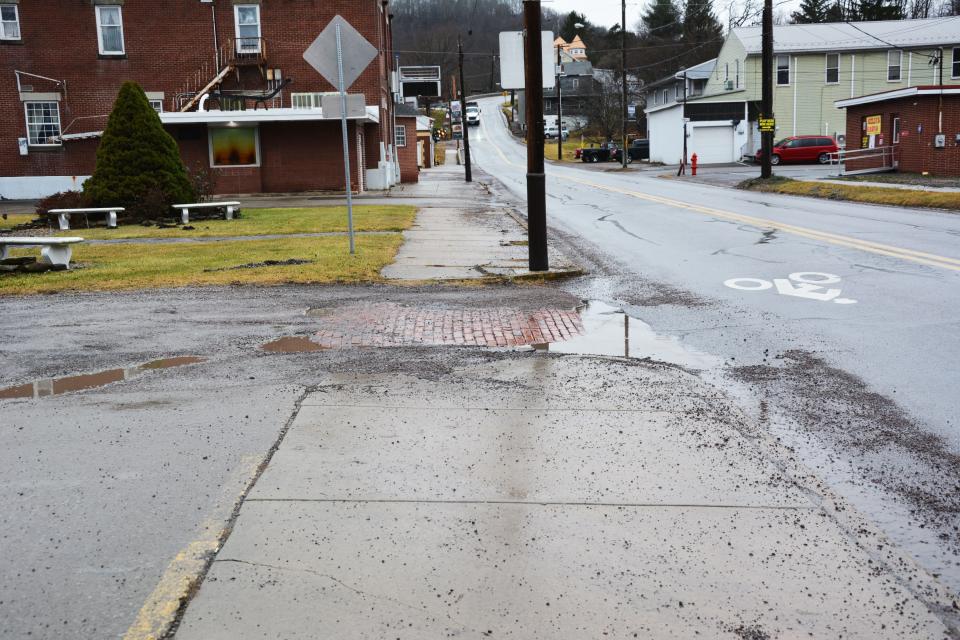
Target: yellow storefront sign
<point>874,125</point>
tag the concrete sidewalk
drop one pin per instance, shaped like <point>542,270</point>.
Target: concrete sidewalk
<point>461,233</point>
<point>530,495</point>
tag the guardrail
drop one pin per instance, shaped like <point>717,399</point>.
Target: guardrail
<point>875,160</point>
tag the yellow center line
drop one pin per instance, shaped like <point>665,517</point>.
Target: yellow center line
<point>920,257</point>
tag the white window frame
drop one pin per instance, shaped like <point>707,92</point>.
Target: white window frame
<point>955,67</point>
<point>776,62</point>
<point>401,135</point>
<point>236,27</point>
<point>666,96</point>
<point>676,92</point>
<point>157,104</point>
<point>737,84</point>
<point>827,68</point>
<point>899,65</point>
<point>123,45</point>
<point>896,129</point>
<point>26,116</point>
<point>256,133</point>
<point>16,23</point>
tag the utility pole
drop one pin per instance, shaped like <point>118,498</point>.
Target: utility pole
<point>623,78</point>
<point>536,180</point>
<point>766,107</point>
<point>682,171</point>
<point>466,124</point>
<point>559,112</point>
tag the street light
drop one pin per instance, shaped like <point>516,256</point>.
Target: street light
<point>576,25</point>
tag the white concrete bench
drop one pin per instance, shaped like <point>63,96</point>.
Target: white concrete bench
<point>56,251</point>
<point>63,215</point>
<point>228,207</point>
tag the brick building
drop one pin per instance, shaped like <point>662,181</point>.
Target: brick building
<point>916,129</point>
<point>205,65</point>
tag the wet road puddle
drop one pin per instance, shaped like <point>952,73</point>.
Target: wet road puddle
<point>608,331</point>
<point>293,344</point>
<point>57,386</point>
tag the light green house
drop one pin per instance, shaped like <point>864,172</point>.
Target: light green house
<point>817,64</point>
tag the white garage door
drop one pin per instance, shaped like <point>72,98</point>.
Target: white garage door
<point>712,144</point>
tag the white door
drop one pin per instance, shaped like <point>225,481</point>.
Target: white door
<point>712,144</point>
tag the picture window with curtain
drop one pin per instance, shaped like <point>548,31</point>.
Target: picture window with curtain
<point>833,68</point>
<point>893,65</point>
<point>783,70</point>
<point>234,147</point>
<point>9,22</point>
<point>43,123</point>
<point>110,30</point>
<point>401,135</point>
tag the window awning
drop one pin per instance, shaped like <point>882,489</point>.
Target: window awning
<point>257,116</point>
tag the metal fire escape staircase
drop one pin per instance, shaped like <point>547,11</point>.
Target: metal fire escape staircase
<point>232,55</point>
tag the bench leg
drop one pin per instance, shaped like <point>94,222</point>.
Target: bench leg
<point>229,214</point>
<point>64,220</point>
<point>185,216</point>
<point>4,251</point>
<point>59,255</point>
<point>112,219</point>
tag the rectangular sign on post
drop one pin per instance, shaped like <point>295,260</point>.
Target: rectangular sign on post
<point>512,61</point>
<point>331,106</point>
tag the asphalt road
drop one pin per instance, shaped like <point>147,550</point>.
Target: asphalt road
<point>862,382</point>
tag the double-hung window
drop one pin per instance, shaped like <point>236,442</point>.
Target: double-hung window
<point>783,69</point>
<point>247,23</point>
<point>833,69</point>
<point>110,30</point>
<point>955,72</point>
<point>894,57</point>
<point>401,135</point>
<point>738,73</point>
<point>10,22</point>
<point>43,123</point>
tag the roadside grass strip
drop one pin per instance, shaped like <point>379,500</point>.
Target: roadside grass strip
<point>136,266</point>
<point>13,219</point>
<point>854,193</point>
<point>258,222</point>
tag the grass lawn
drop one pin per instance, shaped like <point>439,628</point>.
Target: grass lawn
<point>136,266</point>
<point>569,147</point>
<point>904,178</point>
<point>256,222</point>
<point>13,219</point>
<point>853,193</point>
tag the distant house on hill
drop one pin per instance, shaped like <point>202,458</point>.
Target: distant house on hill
<point>574,50</point>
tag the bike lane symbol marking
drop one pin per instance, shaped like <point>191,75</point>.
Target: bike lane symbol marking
<point>802,284</point>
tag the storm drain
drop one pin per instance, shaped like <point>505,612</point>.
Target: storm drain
<point>393,325</point>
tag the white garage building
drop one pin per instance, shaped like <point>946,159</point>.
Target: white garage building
<point>718,132</point>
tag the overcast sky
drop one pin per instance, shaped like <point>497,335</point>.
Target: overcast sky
<point>607,12</point>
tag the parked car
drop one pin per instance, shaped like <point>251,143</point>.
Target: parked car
<point>606,152</point>
<point>550,132</point>
<point>472,114</point>
<point>801,149</point>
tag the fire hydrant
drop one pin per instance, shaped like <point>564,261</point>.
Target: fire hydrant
<point>693,164</point>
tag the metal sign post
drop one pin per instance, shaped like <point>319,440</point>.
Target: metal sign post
<point>346,150</point>
<point>353,54</point>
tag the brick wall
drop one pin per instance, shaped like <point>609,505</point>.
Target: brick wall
<point>409,169</point>
<point>918,125</point>
<point>167,42</point>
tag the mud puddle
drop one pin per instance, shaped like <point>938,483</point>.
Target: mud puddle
<point>608,331</point>
<point>57,386</point>
<point>292,344</point>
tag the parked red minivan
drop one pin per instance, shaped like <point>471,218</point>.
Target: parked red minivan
<point>802,149</point>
